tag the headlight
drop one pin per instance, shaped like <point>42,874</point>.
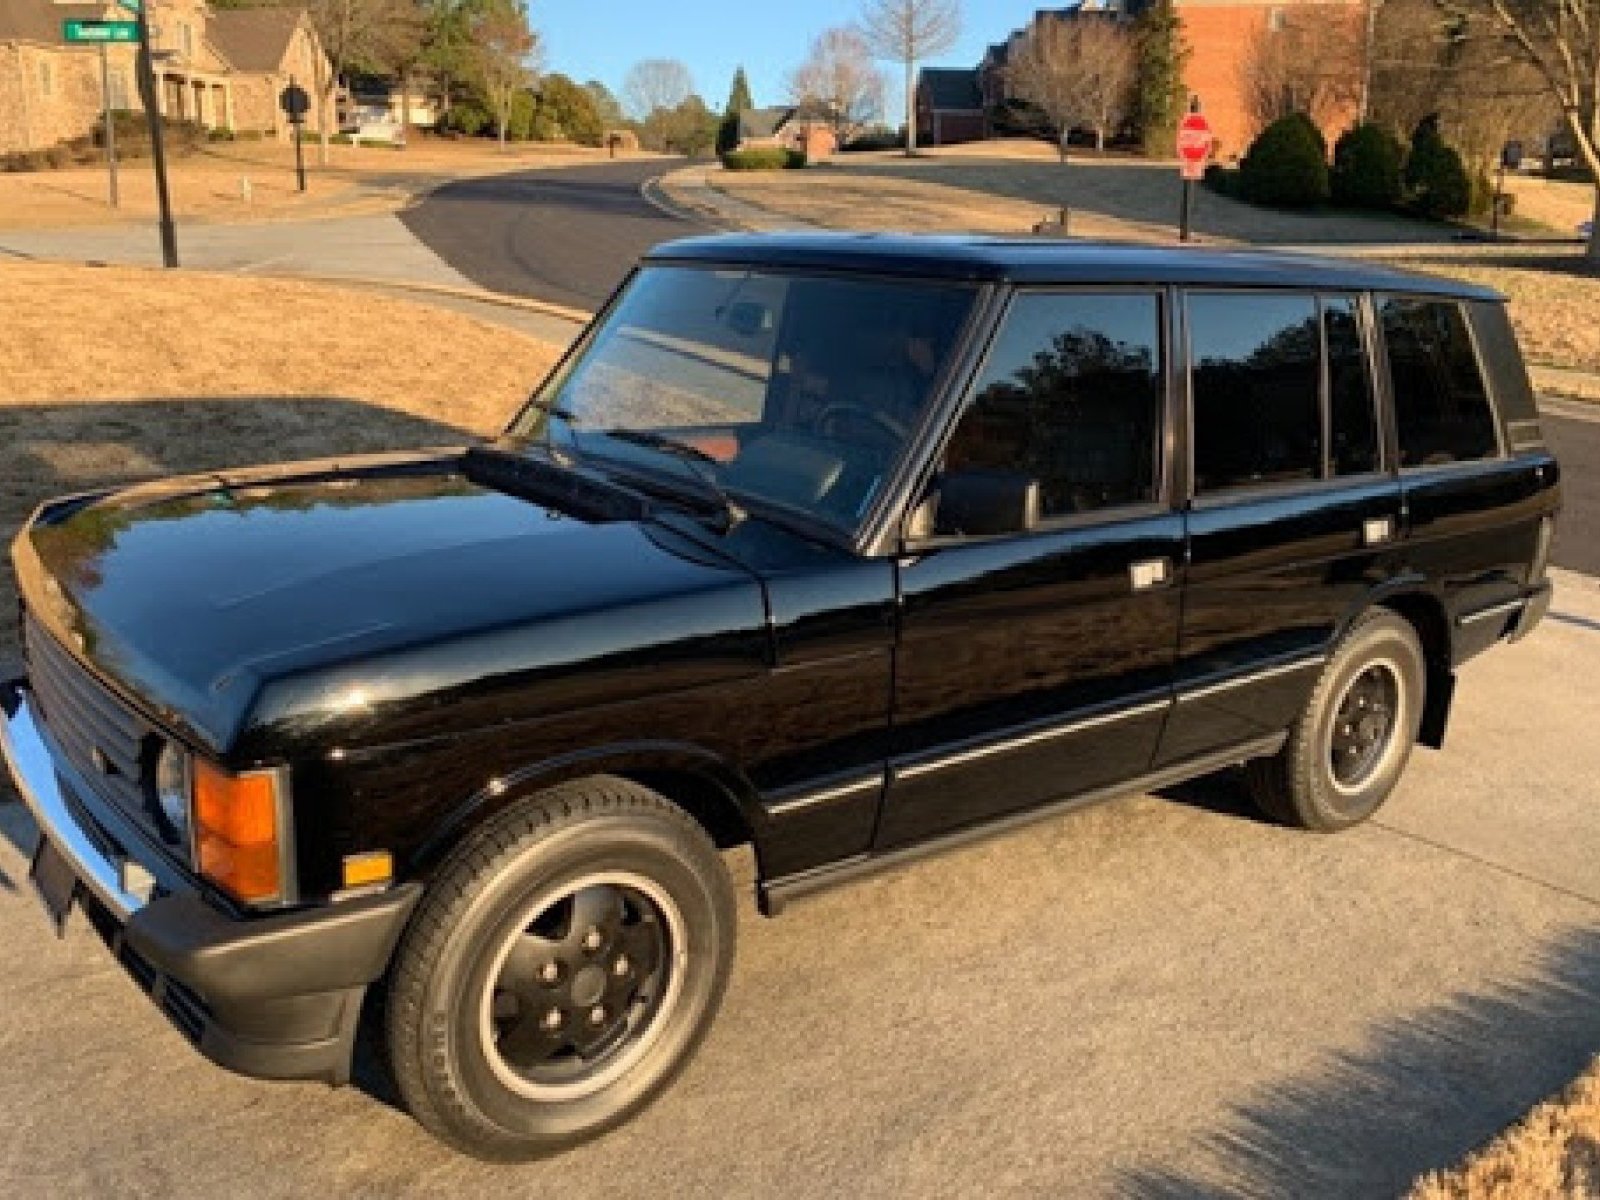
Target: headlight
<point>172,789</point>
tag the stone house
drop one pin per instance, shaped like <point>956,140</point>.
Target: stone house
<point>221,68</point>
<point>1221,35</point>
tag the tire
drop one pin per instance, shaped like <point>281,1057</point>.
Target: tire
<point>598,902</point>
<point>1344,753</point>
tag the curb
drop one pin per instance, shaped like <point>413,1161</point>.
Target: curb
<point>561,312</point>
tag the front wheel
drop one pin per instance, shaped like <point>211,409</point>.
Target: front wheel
<point>564,965</point>
<point>1348,748</point>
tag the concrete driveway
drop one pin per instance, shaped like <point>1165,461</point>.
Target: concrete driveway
<point>1158,997</point>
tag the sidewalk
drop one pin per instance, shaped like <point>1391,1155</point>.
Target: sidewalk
<point>689,190</point>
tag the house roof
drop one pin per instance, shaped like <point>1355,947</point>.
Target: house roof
<point>253,39</point>
<point>763,122</point>
<point>40,20</point>
<point>952,90</point>
<point>1054,261</point>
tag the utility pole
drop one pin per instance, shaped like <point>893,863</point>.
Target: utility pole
<point>158,143</point>
<point>108,124</point>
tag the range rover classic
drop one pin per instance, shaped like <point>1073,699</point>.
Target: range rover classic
<point>845,548</point>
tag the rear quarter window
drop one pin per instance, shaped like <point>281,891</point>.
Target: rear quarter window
<point>1441,401</point>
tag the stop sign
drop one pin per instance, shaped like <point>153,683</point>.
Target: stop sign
<point>1194,144</point>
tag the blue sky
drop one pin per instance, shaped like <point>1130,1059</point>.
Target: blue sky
<point>601,39</point>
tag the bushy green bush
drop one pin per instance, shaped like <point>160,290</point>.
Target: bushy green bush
<point>219,134</point>
<point>250,135</point>
<point>1366,168</point>
<point>1287,165</point>
<point>1222,180</point>
<point>1436,180</point>
<point>877,139</point>
<point>467,117</point>
<point>133,134</point>
<point>763,158</point>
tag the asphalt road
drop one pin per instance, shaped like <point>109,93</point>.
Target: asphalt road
<point>567,235</point>
<point>1155,998</point>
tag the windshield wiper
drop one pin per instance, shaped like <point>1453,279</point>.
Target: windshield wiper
<point>701,465</point>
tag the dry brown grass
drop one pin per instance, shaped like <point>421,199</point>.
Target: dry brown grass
<point>114,374</point>
<point>1558,203</point>
<point>1553,1154</point>
<point>209,184</point>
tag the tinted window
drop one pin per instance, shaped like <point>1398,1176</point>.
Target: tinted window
<point>1256,379</point>
<point>1352,427</point>
<point>1441,407</point>
<point>1071,395</point>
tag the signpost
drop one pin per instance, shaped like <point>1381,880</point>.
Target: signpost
<point>104,33</point>
<point>1510,160</point>
<point>1194,148</point>
<point>296,104</point>
<point>158,140</point>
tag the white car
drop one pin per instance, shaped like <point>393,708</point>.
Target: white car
<point>391,132</point>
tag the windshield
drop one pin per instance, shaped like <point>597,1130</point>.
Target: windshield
<point>801,392</point>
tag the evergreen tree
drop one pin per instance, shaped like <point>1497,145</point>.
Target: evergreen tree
<point>738,100</point>
<point>1162,55</point>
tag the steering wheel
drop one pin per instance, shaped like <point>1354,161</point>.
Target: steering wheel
<point>848,410</point>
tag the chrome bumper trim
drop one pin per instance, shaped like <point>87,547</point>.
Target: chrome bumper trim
<point>33,769</point>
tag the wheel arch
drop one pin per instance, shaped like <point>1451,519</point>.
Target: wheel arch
<point>711,790</point>
<point>1426,614</point>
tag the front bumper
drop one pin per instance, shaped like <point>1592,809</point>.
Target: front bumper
<point>275,997</point>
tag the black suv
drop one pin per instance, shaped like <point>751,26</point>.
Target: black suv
<point>848,548</point>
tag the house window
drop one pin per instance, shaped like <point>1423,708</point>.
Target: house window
<point>47,80</point>
<point>1275,20</point>
<point>186,33</point>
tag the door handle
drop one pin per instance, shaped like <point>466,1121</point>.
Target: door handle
<point>1377,530</point>
<point>1149,573</point>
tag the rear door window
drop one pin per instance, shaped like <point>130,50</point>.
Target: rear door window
<point>1441,404</point>
<point>1256,382</point>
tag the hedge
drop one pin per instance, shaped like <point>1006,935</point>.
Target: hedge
<point>763,158</point>
<point>1287,165</point>
<point>1366,168</point>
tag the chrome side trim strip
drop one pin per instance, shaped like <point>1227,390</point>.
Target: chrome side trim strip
<point>793,804</point>
<point>1300,664</point>
<point>34,771</point>
<point>1494,610</point>
<point>1028,739</point>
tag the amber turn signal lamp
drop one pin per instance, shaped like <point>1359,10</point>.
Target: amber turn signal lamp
<point>236,832</point>
<point>367,870</point>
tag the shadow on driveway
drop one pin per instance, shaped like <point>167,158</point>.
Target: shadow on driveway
<point>1424,1092</point>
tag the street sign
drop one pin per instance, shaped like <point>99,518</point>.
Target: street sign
<point>100,31</point>
<point>1194,144</point>
<point>132,6</point>
<point>295,101</point>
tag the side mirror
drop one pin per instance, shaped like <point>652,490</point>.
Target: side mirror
<point>747,318</point>
<point>984,502</point>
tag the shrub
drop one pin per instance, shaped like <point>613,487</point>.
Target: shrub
<point>763,158</point>
<point>1366,168</point>
<point>220,134</point>
<point>877,139</point>
<point>520,120</point>
<point>133,134</point>
<point>250,135</point>
<point>467,117</point>
<point>1222,180</point>
<point>1437,184</point>
<point>1287,165</point>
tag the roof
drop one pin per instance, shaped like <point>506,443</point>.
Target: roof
<point>1050,260</point>
<point>951,90</point>
<point>762,122</point>
<point>253,39</point>
<point>40,20</point>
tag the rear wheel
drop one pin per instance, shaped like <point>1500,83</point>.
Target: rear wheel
<point>1348,748</point>
<point>564,965</point>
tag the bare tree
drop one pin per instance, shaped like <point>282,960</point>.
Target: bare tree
<point>655,84</point>
<point>1079,72</point>
<point>354,34</point>
<point>503,47</point>
<point>840,79</point>
<point>1308,63</point>
<point>1560,41</point>
<point>906,32</point>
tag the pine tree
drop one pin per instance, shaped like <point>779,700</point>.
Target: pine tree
<point>738,100</point>
<point>1162,55</point>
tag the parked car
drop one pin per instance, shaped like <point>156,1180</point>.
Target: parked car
<point>385,131</point>
<point>847,548</point>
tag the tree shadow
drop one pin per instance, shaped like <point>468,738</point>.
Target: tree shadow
<point>1423,1092</point>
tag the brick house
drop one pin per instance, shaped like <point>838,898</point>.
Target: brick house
<point>950,107</point>
<point>1221,35</point>
<point>790,127</point>
<point>221,68</point>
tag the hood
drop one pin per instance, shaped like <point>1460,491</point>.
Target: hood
<point>297,597</point>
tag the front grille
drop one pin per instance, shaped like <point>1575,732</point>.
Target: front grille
<point>111,745</point>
